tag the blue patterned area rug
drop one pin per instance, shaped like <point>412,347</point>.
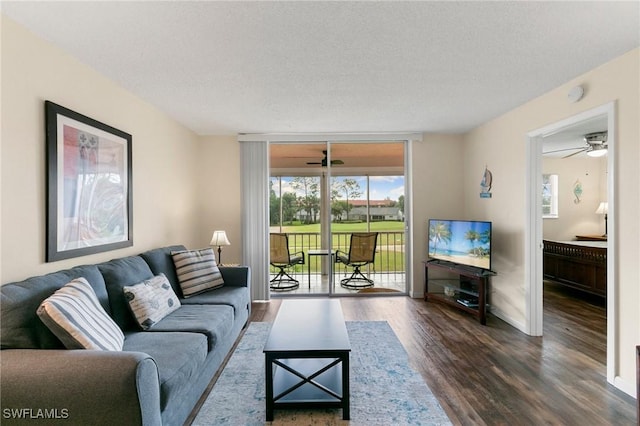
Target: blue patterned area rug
<point>384,388</point>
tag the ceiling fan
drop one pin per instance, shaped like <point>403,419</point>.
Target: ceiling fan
<point>596,145</point>
<point>323,163</point>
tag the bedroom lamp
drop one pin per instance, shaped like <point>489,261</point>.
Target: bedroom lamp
<point>603,208</point>
<point>219,239</point>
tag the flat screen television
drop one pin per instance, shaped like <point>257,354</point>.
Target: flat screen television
<point>463,242</point>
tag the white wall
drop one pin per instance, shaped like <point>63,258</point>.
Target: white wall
<point>164,154</point>
<point>576,218</point>
<point>500,143</point>
<point>437,192</point>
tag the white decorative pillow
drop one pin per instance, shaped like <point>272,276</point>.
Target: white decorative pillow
<point>74,314</point>
<point>151,300</point>
<point>197,271</point>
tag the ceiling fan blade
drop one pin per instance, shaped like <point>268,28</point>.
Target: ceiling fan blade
<point>575,153</point>
<point>561,150</point>
<point>323,163</point>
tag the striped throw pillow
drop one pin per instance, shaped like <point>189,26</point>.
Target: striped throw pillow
<point>197,271</point>
<point>151,300</point>
<point>74,314</point>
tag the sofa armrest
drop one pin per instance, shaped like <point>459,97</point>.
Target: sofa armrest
<point>236,276</point>
<point>79,387</point>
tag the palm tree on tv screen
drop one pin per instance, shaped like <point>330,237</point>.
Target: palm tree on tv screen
<point>485,238</point>
<point>472,236</point>
<point>439,232</point>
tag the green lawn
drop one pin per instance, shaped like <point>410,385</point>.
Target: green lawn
<point>386,260</point>
<point>346,227</point>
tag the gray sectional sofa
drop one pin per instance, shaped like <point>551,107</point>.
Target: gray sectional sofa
<point>157,378</point>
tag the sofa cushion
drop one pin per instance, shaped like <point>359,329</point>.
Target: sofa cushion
<point>213,321</point>
<point>20,327</point>
<point>197,271</point>
<point>151,300</point>
<point>161,262</point>
<point>237,297</point>
<point>180,358</point>
<point>74,314</point>
<point>117,274</point>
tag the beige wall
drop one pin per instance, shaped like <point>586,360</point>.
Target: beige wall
<point>576,218</point>
<point>164,154</point>
<point>220,193</point>
<point>500,144</point>
<point>436,192</point>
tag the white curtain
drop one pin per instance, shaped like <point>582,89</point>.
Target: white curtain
<point>255,215</point>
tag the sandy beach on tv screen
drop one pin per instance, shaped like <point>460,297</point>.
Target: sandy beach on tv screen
<point>480,262</point>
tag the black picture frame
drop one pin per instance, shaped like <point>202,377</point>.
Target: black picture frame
<point>89,185</point>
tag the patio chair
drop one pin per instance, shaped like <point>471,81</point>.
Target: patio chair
<point>281,258</point>
<point>362,251</point>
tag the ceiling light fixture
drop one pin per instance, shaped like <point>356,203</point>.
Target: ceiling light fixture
<point>597,151</point>
<point>597,142</point>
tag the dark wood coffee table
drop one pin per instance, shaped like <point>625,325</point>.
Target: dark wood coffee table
<point>307,357</point>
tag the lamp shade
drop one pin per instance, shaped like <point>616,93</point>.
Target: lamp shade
<point>603,208</point>
<point>219,238</point>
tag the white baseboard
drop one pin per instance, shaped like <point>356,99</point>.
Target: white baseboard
<point>500,314</point>
<point>625,386</point>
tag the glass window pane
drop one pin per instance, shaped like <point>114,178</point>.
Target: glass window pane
<point>549,196</point>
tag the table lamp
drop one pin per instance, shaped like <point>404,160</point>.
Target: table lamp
<point>219,239</point>
<point>603,208</point>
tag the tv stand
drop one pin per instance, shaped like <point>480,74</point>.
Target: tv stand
<point>464,288</point>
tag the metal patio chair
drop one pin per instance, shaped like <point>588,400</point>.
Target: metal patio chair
<point>362,251</point>
<point>281,258</point>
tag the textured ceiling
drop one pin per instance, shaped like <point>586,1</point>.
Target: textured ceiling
<point>259,67</point>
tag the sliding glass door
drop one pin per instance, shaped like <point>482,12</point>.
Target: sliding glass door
<point>367,217</point>
<point>296,208</point>
<point>322,194</point>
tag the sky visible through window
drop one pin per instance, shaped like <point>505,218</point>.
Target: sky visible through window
<point>381,187</point>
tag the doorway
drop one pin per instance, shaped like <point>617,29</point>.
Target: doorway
<point>534,237</point>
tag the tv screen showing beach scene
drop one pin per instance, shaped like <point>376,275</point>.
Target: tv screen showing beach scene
<point>463,242</point>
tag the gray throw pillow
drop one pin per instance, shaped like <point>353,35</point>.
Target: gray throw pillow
<point>151,300</point>
<point>197,271</point>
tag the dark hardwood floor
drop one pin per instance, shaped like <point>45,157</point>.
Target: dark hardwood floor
<point>496,375</point>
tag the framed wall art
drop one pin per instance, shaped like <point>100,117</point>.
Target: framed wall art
<point>89,188</point>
